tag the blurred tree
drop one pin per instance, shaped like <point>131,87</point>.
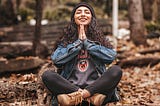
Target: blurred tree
<point>147,9</point>
<point>136,22</point>
<point>108,7</point>
<point>155,10</point>
<point>150,10</point>
<point>123,4</point>
<point>38,48</point>
<point>18,2</point>
<point>158,3</point>
<point>7,13</point>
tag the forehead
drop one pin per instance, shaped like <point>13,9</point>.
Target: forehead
<point>82,8</point>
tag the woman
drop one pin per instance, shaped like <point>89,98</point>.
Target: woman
<point>81,55</point>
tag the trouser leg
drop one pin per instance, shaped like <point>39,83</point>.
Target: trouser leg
<point>57,84</point>
<point>107,82</point>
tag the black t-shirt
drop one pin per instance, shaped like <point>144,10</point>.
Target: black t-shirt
<point>84,72</point>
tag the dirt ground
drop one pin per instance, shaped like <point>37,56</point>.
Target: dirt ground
<point>140,85</point>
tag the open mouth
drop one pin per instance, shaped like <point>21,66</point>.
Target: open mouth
<point>82,19</point>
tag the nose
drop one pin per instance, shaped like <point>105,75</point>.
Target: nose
<point>82,14</point>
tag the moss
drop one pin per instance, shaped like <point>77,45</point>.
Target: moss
<point>61,13</point>
<point>25,13</point>
<point>153,27</point>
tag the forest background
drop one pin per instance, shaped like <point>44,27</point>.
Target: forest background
<point>29,29</point>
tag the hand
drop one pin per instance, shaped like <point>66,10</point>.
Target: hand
<point>82,35</point>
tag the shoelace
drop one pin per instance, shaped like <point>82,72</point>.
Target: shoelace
<point>77,96</point>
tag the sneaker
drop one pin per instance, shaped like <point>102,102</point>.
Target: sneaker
<point>70,99</point>
<point>96,99</point>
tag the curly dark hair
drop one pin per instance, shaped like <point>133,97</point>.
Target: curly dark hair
<point>94,33</point>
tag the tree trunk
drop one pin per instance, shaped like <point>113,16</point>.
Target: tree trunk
<point>155,11</point>
<point>158,3</point>
<point>37,36</point>
<point>7,13</point>
<point>136,22</point>
<point>147,9</point>
<point>108,7</point>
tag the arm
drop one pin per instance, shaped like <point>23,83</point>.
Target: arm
<point>106,55</point>
<point>64,54</point>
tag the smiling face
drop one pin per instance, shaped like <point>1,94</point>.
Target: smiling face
<point>82,16</point>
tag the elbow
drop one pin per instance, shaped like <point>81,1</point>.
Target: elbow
<point>112,58</point>
<point>114,55</point>
<point>55,60</point>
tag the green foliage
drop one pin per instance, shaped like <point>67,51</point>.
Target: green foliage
<point>25,13</point>
<point>61,13</point>
<point>153,27</point>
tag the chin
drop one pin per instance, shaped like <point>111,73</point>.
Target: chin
<point>84,23</point>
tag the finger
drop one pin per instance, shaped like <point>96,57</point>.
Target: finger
<point>82,27</point>
<point>80,31</point>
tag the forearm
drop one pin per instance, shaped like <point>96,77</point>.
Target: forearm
<point>105,54</point>
<point>65,54</point>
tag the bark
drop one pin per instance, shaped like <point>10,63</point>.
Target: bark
<point>108,7</point>
<point>136,22</point>
<point>37,36</point>
<point>158,3</point>
<point>15,49</point>
<point>8,16</point>
<point>149,50</point>
<point>139,61</point>
<point>147,9</point>
<point>20,64</point>
<point>155,11</point>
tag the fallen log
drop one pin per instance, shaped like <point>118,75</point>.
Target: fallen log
<point>139,61</point>
<point>20,64</point>
<point>125,55</point>
<point>150,50</point>
<point>16,49</point>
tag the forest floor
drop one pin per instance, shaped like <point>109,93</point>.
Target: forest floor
<point>139,85</point>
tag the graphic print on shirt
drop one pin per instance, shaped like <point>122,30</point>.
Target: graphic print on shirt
<point>83,65</point>
<point>83,61</point>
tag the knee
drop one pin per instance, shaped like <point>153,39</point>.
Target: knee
<point>116,71</point>
<point>47,75</point>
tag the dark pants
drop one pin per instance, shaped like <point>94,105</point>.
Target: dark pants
<point>104,85</point>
